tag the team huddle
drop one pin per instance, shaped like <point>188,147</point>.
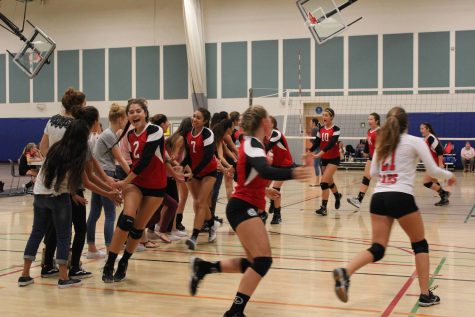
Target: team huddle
<point>248,153</point>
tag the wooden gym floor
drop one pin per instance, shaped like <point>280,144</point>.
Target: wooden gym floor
<point>306,248</point>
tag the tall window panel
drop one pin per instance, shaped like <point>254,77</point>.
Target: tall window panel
<point>265,67</point>
<point>93,70</point>
<point>175,72</point>
<point>68,71</point>
<point>120,73</point>
<point>234,70</point>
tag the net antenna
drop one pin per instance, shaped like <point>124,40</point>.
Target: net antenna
<point>323,18</point>
<point>35,50</point>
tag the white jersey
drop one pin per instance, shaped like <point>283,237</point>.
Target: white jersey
<point>397,172</point>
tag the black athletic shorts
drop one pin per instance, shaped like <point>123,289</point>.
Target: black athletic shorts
<point>238,211</point>
<point>210,174</point>
<point>153,192</point>
<point>334,161</point>
<point>392,204</point>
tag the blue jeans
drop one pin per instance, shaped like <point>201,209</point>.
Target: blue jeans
<point>48,208</point>
<point>97,202</point>
<point>216,188</point>
<point>316,166</point>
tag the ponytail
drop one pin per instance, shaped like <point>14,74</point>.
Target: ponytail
<point>389,135</point>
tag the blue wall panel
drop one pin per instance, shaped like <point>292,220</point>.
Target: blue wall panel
<point>120,73</point>
<point>363,61</point>
<point>175,72</point>
<point>434,59</point>
<point>148,72</point>
<point>93,74</point>
<point>19,84</point>
<point>265,67</point>
<point>398,61</point>
<point>211,69</point>
<point>329,64</point>
<point>291,63</point>
<point>464,59</point>
<point>234,70</point>
<point>15,133</point>
<point>43,83</point>
<point>68,71</point>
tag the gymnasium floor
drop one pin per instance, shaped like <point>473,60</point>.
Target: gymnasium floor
<point>306,248</point>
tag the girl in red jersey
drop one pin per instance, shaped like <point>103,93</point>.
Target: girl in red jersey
<point>282,158</point>
<point>327,140</point>
<point>200,148</point>
<point>243,209</point>
<point>374,126</point>
<point>143,188</point>
<point>437,153</point>
<point>395,161</point>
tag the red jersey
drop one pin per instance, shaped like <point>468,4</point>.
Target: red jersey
<point>279,147</point>
<point>254,173</point>
<point>435,147</point>
<point>237,136</point>
<point>327,139</point>
<point>371,142</point>
<point>147,151</point>
<point>200,150</point>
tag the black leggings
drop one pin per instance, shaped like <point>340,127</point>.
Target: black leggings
<point>79,223</point>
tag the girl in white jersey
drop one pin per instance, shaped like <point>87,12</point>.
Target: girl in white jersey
<point>395,162</point>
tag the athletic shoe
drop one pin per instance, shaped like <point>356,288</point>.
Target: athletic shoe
<point>196,276</point>
<point>228,314</point>
<point>205,227</point>
<point>276,218</point>
<point>338,201</point>
<point>219,220</point>
<point>108,274</point>
<point>72,282</point>
<point>25,281</point>
<point>79,273</point>
<point>428,300</point>
<point>173,237</point>
<point>121,271</point>
<point>342,283</point>
<point>49,271</point>
<point>96,255</point>
<point>180,227</point>
<point>444,199</point>
<point>354,201</point>
<point>140,248</point>
<point>212,232</point>
<point>191,243</point>
<point>322,211</point>
<point>152,235</point>
<point>179,233</point>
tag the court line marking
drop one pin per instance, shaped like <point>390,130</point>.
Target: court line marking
<point>431,280</point>
<point>399,295</point>
<point>230,299</point>
<point>469,214</point>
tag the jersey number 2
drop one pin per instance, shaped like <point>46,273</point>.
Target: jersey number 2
<point>136,147</point>
<point>389,165</point>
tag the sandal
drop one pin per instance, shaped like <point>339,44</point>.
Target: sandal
<point>164,237</point>
<point>150,245</point>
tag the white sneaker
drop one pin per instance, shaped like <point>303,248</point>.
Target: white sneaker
<point>179,233</point>
<point>354,201</point>
<point>212,233</point>
<point>96,255</point>
<point>140,248</point>
<point>173,237</point>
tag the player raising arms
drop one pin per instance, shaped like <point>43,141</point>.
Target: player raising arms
<point>327,140</point>
<point>437,153</point>
<point>281,159</point>
<point>374,126</point>
<point>242,211</point>
<point>395,162</point>
<point>143,188</point>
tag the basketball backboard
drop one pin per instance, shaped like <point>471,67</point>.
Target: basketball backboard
<point>323,18</point>
<point>34,52</point>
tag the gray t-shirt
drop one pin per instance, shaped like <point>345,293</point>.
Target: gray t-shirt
<point>103,150</point>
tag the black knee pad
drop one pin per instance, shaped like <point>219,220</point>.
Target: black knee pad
<point>125,222</point>
<point>365,181</point>
<point>135,233</point>
<point>332,185</point>
<point>377,250</point>
<point>420,246</point>
<point>261,265</point>
<point>277,188</point>
<point>324,186</point>
<point>245,264</point>
<point>428,184</point>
